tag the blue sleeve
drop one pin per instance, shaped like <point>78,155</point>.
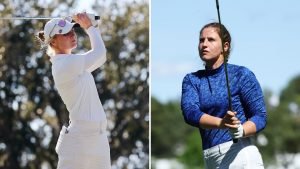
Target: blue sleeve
<point>253,100</point>
<point>190,104</point>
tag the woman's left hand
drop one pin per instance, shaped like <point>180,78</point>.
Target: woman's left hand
<point>83,20</point>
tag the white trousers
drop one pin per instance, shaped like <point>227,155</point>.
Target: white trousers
<point>229,155</point>
<point>83,145</point>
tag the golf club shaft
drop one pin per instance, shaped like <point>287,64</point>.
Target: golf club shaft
<point>225,64</point>
<point>35,18</point>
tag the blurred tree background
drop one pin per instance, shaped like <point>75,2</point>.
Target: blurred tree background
<point>279,143</point>
<point>31,111</point>
<point>171,138</point>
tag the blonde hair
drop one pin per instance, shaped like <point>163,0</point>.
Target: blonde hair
<point>45,45</point>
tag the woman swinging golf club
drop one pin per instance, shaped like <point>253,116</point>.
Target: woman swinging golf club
<point>84,143</point>
<point>204,104</point>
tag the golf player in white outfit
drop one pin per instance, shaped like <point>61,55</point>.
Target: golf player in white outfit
<point>83,144</point>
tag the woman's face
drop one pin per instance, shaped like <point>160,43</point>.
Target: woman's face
<point>64,43</point>
<point>210,46</point>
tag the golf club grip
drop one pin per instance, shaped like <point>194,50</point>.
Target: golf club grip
<point>77,25</point>
<point>97,17</point>
<point>226,73</point>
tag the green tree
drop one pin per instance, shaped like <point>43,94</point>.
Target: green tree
<point>171,137</point>
<point>31,111</point>
<point>192,155</point>
<point>167,128</point>
<point>283,125</point>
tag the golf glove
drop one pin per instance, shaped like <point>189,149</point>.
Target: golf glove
<point>91,16</point>
<point>93,20</point>
<point>237,132</point>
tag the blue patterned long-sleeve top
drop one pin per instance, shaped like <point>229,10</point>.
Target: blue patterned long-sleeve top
<point>205,91</point>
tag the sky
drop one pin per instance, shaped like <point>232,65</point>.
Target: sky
<point>265,38</point>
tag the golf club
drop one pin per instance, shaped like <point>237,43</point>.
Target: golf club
<point>225,65</point>
<point>35,18</point>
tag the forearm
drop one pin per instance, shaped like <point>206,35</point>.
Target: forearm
<point>210,122</point>
<point>249,128</point>
<point>96,41</point>
<point>97,55</point>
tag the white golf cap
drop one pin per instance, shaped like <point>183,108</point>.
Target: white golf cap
<point>57,26</point>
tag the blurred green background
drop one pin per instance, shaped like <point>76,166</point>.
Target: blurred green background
<point>176,145</point>
<point>31,111</point>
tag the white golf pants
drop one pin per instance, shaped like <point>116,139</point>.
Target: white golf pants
<point>229,155</point>
<point>83,145</point>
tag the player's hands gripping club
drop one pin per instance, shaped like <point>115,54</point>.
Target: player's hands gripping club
<point>235,127</point>
<point>83,20</point>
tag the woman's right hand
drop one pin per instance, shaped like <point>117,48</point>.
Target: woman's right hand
<point>82,19</point>
<point>230,120</point>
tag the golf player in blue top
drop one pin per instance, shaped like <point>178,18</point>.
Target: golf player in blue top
<point>204,104</point>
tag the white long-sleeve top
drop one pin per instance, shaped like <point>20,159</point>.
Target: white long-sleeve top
<point>75,83</point>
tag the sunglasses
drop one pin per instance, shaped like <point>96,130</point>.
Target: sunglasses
<point>61,23</point>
